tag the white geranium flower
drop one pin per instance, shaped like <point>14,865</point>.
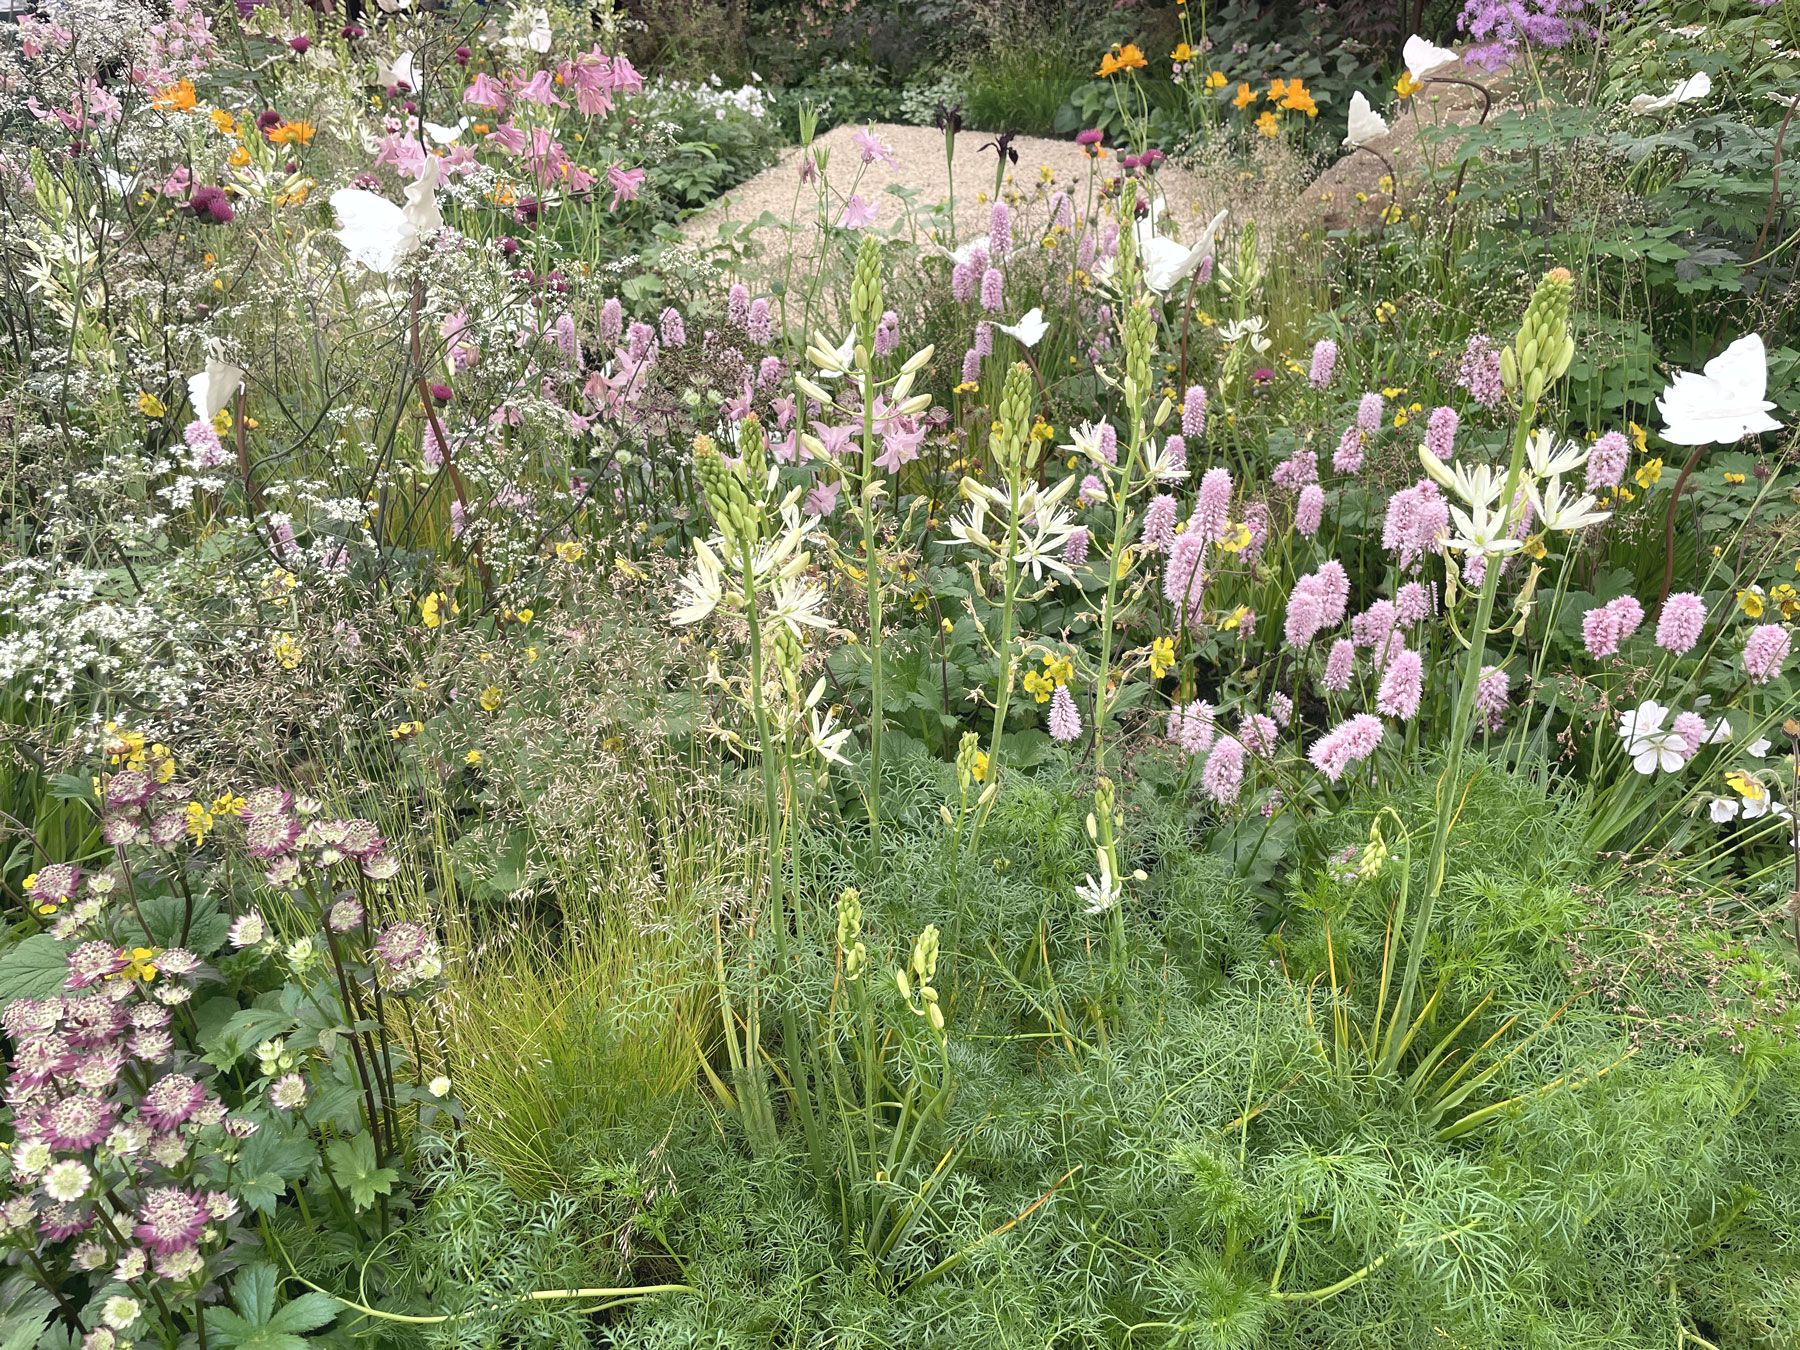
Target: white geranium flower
<point>1650,740</point>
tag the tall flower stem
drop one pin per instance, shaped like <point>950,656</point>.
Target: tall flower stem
<point>872,581</point>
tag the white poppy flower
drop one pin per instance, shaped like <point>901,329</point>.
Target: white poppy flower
<point>1424,58</point>
<point>1725,402</point>
<point>1365,123</point>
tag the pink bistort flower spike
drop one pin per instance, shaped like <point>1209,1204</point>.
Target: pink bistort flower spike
<point>1766,651</point>
<point>1324,363</point>
<point>1065,721</point>
<point>1678,627</point>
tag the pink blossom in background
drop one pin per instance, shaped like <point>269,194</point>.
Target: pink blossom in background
<point>857,215</point>
<point>1185,577</point>
<point>1309,511</point>
<point>1075,548</point>
<point>1415,602</point>
<point>1324,363</point>
<point>1340,666</point>
<point>1346,744</point>
<point>626,184</point>
<point>1440,432</point>
<point>1369,411</point>
<point>1193,412</point>
<point>1607,460</point>
<point>1402,686</point>
<point>1065,721</point>
<point>1605,627</point>
<point>1679,625</point>
<point>1491,696</point>
<point>1159,524</point>
<point>1222,778</point>
<point>1766,651</point>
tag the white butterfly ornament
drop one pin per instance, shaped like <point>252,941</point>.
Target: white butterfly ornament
<point>1691,90</point>
<point>1722,404</point>
<point>380,235</point>
<point>1365,123</point>
<point>1424,59</point>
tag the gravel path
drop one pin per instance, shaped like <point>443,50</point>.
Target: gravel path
<point>920,170</point>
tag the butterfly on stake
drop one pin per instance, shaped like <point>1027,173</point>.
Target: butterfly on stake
<point>1723,403</point>
<point>380,235</point>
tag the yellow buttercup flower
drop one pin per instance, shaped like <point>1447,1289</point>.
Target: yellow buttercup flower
<point>1162,657</point>
<point>1649,474</point>
<point>150,405</point>
<point>1216,80</point>
<point>1750,600</point>
<point>1237,538</point>
<point>1245,96</point>
<point>491,698</point>
<point>1406,86</point>
<point>570,551</point>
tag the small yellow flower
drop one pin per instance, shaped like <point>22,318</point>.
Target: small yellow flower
<point>1237,538</point>
<point>979,769</point>
<point>1216,80</point>
<point>1639,437</point>
<point>150,405</point>
<point>141,966</point>
<point>1182,52</point>
<point>1039,686</point>
<point>1733,478</point>
<point>1649,474</point>
<point>1406,86</point>
<point>1750,600</point>
<point>432,609</point>
<point>199,822</point>
<point>285,649</point>
<point>570,551</point>
<point>401,731</point>
<point>473,759</point>
<point>1268,125</point>
<point>1162,657</point>
<point>1236,618</point>
<point>491,698</point>
<point>1245,96</point>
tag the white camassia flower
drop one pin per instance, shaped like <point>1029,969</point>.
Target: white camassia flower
<point>1550,458</point>
<point>1575,513</point>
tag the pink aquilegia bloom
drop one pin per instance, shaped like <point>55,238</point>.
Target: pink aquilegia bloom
<point>626,184</point>
<point>1766,651</point>
<point>873,150</point>
<point>1678,627</point>
<point>1605,627</point>
<point>1223,777</point>
<point>1346,744</point>
<point>1324,363</point>
<point>857,215</point>
<point>1065,721</point>
<point>1402,686</point>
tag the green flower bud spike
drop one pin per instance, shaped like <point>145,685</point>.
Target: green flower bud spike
<point>865,292</point>
<point>1541,353</point>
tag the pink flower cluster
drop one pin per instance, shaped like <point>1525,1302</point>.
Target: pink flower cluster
<point>1605,627</point>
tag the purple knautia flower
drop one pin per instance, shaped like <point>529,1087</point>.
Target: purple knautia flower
<point>1184,579</point>
<point>1000,230</point>
<point>1191,727</point>
<point>760,327</point>
<point>1065,721</point>
<point>1766,651</point>
<point>73,1124</point>
<point>1346,744</point>
<point>1607,460</point>
<point>1479,371</point>
<point>170,1101</point>
<point>887,333</point>
<point>1297,470</point>
<point>612,320</point>
<point>1324,363</point>
<point>1604,627</point>
<point>971,367</point>
<point>737,304</point>
<point>674,331</point>
<point>1193,412</point>
<point>1691,728</point>
<point>992,290</point>
<point>1222,778</point>
<point>1678,627</point>
<point>1258,733</point>
<point>1075,548</point>
<point>1440,432</point>
<point>1159,524</point>
<point>170,1220</point>
<point>1414,603</point>
<point>1418,518</point>
<point>1281,708</point>
<point>1369,413</point>
<point>984,338</point>
<point>1348,457</point>
<point>1212,507</point>
<point>1402,686</point>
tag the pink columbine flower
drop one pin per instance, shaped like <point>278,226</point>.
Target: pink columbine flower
<point>626,184</point>
<point>1679,625</point>
<point>1766,651</point>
